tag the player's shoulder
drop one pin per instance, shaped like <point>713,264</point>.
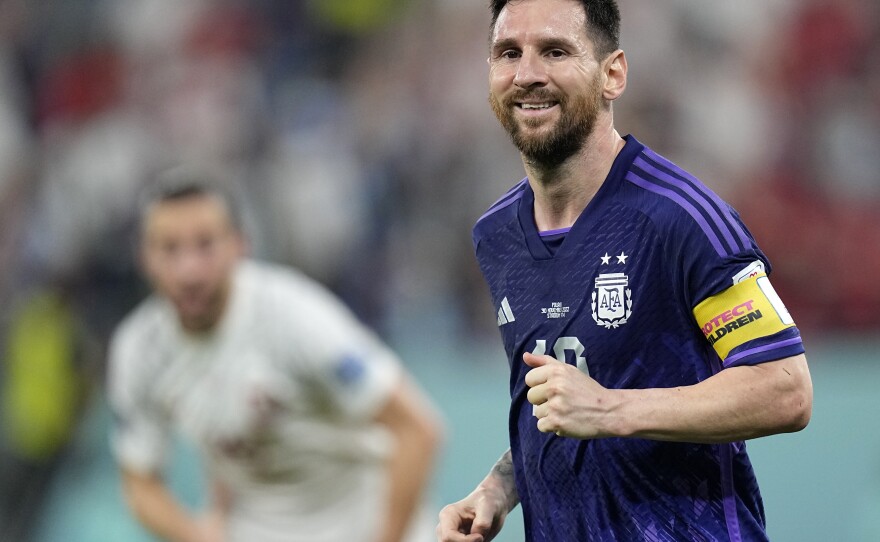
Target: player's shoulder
<point>144,324</point>
<point>276,281</point>
<point>287,295</point>
<point>681,206</point>
<point>134,352</point>
<point>501,213</point>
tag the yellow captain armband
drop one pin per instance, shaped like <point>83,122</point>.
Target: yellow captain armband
<point>748,310</point>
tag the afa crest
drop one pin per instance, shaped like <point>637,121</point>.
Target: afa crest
<point>611,300</point>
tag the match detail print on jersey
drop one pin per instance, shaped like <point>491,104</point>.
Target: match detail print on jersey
<point>746,311</point>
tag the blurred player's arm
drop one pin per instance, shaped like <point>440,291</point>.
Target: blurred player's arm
<point>417,433</point>
<point>480,516</point>
<point>160,512</point>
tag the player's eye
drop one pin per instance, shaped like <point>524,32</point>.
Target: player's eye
<point>206,244</point>
<point>169,250</point>
<point>509,54</point>
<point>556,53</point>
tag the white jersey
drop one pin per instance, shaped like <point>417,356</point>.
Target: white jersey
<point>279,398</point>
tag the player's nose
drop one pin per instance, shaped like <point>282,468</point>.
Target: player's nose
<point>189,268</point>
<point>531,71</point>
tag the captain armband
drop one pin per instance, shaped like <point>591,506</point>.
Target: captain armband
<point>748,310</point>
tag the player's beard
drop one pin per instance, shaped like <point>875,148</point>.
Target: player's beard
<point>577,118</point>
<point>200,308</point>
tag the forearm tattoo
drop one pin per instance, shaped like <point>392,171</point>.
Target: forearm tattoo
<point>504,466</point>
<point>502,471</point>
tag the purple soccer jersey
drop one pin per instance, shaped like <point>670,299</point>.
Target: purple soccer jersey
<point>615,295</point>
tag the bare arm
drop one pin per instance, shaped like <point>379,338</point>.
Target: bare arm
<point>157,510</point>
<point>736,404</point>
<point>480,516</point>
<point>417,434</point>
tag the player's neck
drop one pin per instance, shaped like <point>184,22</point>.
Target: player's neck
<point>206,325</point>
<point>564,191</point>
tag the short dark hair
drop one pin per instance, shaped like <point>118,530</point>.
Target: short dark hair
<point>188,181</point>
<point>603,22</point>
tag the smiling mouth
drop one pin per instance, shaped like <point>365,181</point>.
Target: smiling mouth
<point>535,106</point>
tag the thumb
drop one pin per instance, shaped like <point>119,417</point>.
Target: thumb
<point>533,360</point>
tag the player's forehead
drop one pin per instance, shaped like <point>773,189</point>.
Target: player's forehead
<point>522,21</point>
<point>179,216</point>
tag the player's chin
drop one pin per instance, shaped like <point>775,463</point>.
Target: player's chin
<point>193,310</point>
<point>536,128</point>
<point>190,305</point>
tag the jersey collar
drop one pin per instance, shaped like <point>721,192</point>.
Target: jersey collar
<point>588,216</point>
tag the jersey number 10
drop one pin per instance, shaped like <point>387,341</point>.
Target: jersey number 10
<point>563,344</point>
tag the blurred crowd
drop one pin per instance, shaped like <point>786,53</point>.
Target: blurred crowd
<point>360,133</point>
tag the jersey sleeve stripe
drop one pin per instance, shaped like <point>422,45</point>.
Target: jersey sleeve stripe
<point>722,226</point>
<point>761,349</point>
<point>720,206</point>
<point>728,482</point>
<point>684,204</point>
<point>511,196</point>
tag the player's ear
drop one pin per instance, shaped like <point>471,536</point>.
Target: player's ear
<point>145,260</point>
<point>614,69</point>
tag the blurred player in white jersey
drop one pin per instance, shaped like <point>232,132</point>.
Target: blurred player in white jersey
<point>309,427</point>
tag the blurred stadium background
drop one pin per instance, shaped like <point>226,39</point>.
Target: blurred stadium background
<point>361,133</point>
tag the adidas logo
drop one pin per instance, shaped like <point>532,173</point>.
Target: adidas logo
<point>505,315</point>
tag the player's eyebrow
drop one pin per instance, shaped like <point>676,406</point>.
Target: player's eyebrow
<point>503,45</point>
<point>549,42</point>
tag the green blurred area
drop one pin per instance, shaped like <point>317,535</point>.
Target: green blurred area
<point>41,388</point>
<point>356,16</point>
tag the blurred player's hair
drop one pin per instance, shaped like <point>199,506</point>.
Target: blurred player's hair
<point>188,181</point>
<point>603,22</point>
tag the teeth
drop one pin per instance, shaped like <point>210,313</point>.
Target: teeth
<point>535,106</point>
